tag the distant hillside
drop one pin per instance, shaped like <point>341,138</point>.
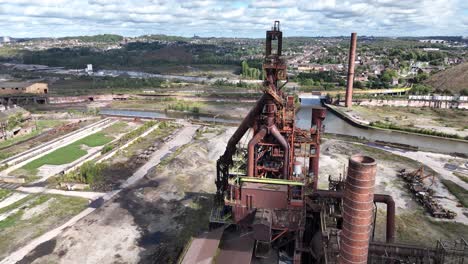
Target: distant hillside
<point>97,38</point>
<point>454,79</point>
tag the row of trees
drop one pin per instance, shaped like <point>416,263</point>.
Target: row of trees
<point>251,73</point>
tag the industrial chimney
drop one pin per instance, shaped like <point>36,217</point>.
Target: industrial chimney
<point>358,206</point>
<point>352,58</point>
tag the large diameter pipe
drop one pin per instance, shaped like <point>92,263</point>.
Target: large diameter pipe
<point>318,115</point>
<point>390,228</point>
<point>251,151</point>
<point>357,210</point>
<point>350,80</point>
<point>378,198</point>
<point>275,132</point>
<point>242,129</point>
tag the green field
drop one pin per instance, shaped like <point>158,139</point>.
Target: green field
<point>68,153</point>
<point>4,194</point>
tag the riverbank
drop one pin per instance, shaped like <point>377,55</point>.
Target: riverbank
<point>427,142</point>
<point>450,123</point>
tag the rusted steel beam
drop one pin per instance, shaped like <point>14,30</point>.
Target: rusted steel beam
<point>350,80</point>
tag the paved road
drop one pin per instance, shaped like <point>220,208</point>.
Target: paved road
<point>183,137</point>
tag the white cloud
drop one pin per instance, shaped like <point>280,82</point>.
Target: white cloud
<point>235,18</point>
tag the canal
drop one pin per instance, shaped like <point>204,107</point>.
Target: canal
<point>332,124</point>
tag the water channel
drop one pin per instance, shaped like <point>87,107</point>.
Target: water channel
<point>333,124</point>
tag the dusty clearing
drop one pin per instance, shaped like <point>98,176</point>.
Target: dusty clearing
<point>33,215</point>
<point>414,225</point>
<point>450,121</point>
<point>152,220</point>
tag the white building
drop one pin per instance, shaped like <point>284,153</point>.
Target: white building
<point>89,68</point>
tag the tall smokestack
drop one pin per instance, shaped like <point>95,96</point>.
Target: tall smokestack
<point>352,58</point>
<point>357,210</point>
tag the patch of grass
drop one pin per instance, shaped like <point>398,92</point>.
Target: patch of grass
<point>68,153</point>
<point>16,231</point>
<point>60,156</point>
<point>461,176</point>
<point>417,228</point>
<point>459,192</point>
<point>48,123</point>
<point>116,128</point>
<point>94,140</point>
<point>4,194</point>
<point>17,204</point>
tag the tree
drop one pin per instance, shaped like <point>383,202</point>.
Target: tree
<point>464,92</point>
<point>358,85</point>
<point>341,82</point>
<point>421,89</point>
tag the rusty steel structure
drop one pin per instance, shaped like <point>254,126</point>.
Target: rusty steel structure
<point>350,79</point>
<point>268,205</point>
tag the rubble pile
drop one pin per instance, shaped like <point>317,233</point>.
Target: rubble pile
<point>424,194</point>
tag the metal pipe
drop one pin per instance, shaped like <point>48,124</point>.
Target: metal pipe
<point>378,198</point>
<point>275,132</point>
<point>390,229</point>
<point>357,209</point>
<point>242,129</point>
<point>251,151</point>
<point>318,115</point>
<point>350,80</point>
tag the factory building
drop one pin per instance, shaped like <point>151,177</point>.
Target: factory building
<point>23,88</point>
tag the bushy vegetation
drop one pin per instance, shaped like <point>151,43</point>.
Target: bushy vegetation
<point>421,89</point>
<point>317,78</point>
<point>240,84</point>
<point>88,173</point>
<point>389,125</point>
<point>14,121</point>
<point>251,73</point>
<point>185,106</point>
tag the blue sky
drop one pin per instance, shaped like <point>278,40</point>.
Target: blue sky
<point>232,18</point>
